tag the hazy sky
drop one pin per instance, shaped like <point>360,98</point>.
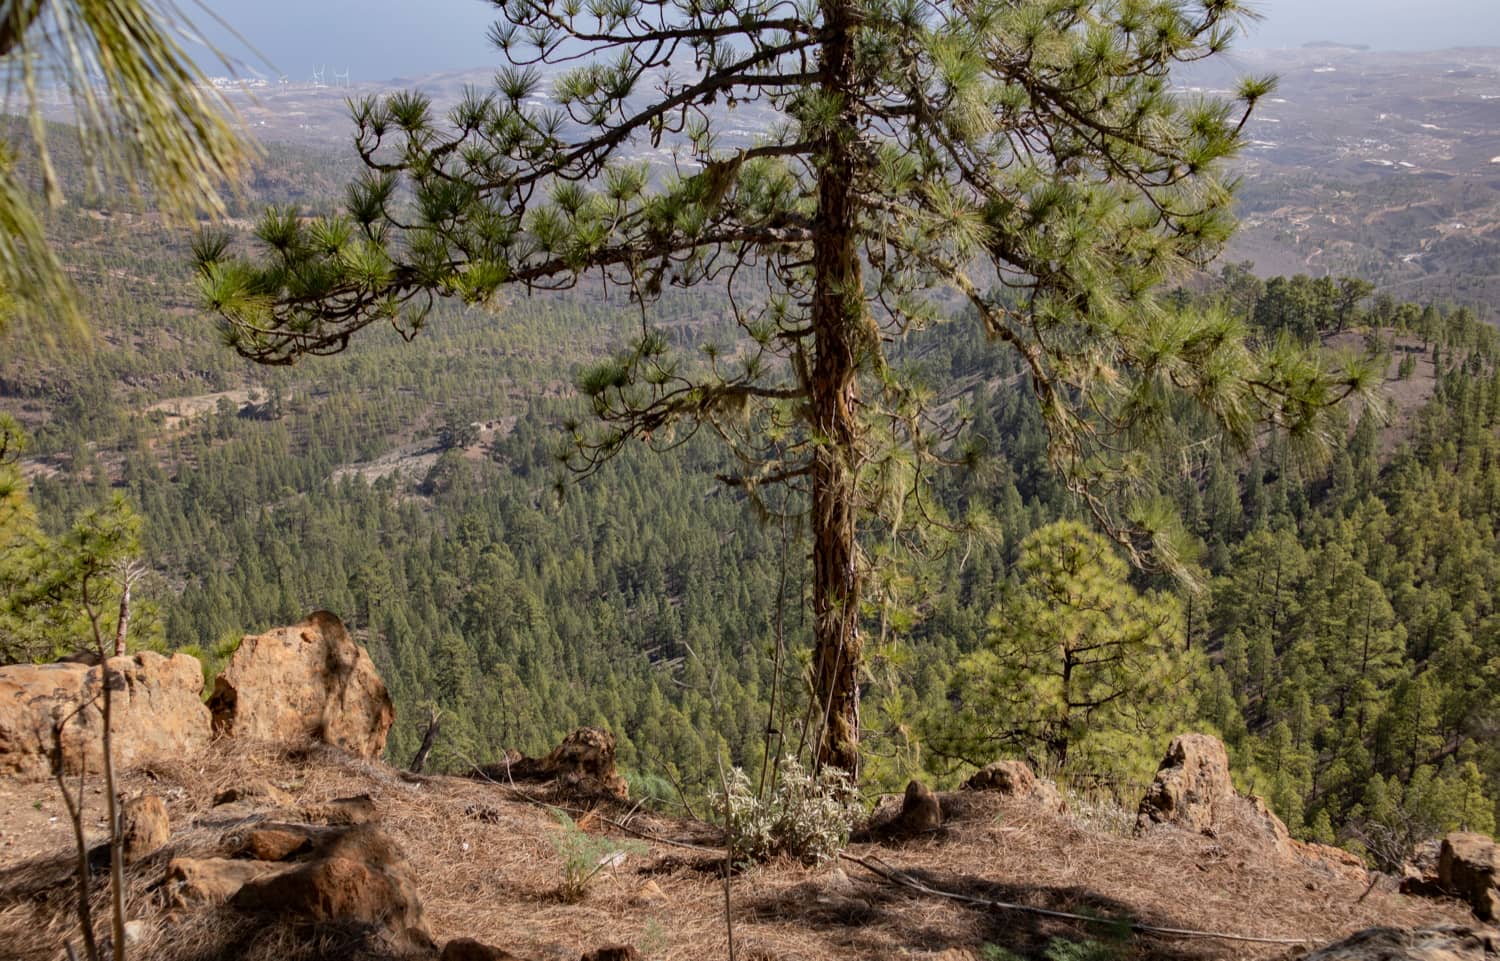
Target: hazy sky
<point>381,39</point>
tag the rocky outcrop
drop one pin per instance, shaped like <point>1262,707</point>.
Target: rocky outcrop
<point>1469,867</point>
<point>309,680</point>
<point>582,765</point>
<point>1015,779</point>
<point>1192,789</point>
<point>1424,944</point>
<point>156,706</point>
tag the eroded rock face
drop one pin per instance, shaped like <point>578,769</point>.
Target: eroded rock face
<point>583,764</point>
<point>156,704</point>
<point>1192,789</point>
<point>309,680</point>
<point>1469,866</point>
<point>1398,944</point>
<point>1015,779</point>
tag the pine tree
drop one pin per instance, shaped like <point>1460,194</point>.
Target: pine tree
<point>1077,664</point>
<point>1029,161</point>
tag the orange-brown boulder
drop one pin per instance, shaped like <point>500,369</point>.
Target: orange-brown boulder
<point>362,879</point>
<point>156,707</point>
<point>1015,779</point>
<point>309,680</point>
<point>190,881</point>
<point>275,842</point>
<point>920,809</point>
<point>1469,866</point>
<point>583,764</point>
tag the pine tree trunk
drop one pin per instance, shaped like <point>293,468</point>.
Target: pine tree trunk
<point>837,322</point>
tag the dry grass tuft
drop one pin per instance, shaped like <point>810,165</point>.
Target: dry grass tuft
<point>486,868</point>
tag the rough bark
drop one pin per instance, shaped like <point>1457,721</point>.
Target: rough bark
<point>419,762</point>
<point>837,312</point>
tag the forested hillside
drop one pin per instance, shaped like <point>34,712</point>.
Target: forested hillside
<point>1341,632</point>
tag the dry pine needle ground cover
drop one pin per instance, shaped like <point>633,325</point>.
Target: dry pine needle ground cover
<point>486,868</point>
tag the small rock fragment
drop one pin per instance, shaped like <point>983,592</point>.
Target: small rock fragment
<point>467,949</point>
<point>146,827</point>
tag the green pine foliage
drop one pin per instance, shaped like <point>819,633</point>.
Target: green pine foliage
<point>1078,668</point>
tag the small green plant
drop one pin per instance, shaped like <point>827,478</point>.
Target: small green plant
<point>653,940</point>
<point>1110,945</point>
<point>652,791</point>
<point>584,855</point>
<point>1062,949</point>
<point>803,816</point>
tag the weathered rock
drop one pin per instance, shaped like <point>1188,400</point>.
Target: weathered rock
<point>920,809</point>
<point>1016,779</point>
<point>359,809</point>
<point>191,881</point>
<point>260,792</point>
<point>467,949</point>
<point>1192,789</point>
<point>275,842</point>
<point>1251,820</point>
<point>1336,861</point>
<point>1397,944</point>
<point>1011,778</point>
<point>309,680</point>
<point>360,877</point>
<point>1468,866</point>
<point>156,705</point>
<point>613,952</point>
<point>583,764</point>
<point>144,826</point>
<point>1421,868</point>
